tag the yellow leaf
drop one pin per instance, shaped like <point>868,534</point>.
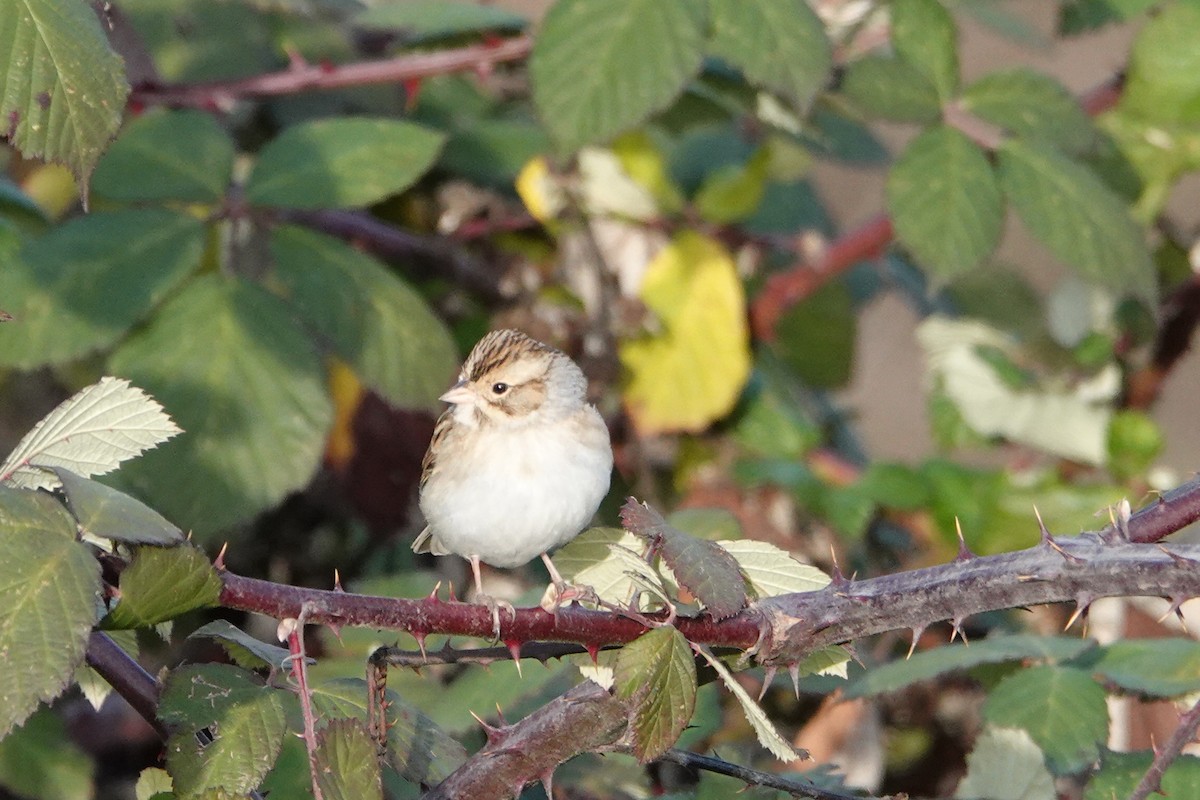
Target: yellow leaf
<point>538,191</point>
<point>347,392</point>
<point>691,372</point>
<point>644,163</point>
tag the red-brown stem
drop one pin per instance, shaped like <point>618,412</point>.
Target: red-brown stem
<point>313,77</point>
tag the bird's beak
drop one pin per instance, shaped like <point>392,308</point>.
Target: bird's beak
<point>458,394</point>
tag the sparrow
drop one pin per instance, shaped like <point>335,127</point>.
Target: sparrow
<point>517,465</point>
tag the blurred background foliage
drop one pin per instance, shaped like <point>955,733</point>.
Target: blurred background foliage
<point>682,195</point>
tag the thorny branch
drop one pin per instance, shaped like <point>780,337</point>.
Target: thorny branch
<point>1184,735</point>
<point>222,95</point>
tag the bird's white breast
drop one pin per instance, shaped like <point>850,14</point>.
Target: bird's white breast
<point>513,493</point>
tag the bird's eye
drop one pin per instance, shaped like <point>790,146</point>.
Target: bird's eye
<point>499,388</point>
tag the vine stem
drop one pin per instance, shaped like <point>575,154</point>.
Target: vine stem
<point>222,95</point>
<point>1151,782</point>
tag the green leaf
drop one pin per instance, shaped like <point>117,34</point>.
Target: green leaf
<point>1134,441</point>
<point>339,163</point>
<point>1154,667</point>
<point>609,560</point>
<point>347,765</point>
<point>1120,773</point>
<point>599,67</point>
<point>161,584</point>
<point>84,284</point>
<point>167,155</point>
<point>90,433</point>
<point>779,44</point>
<point>254,403</point>
<point>1032,105</point>
<point>245,719</point>
<point>891,88</point>
<point>245,651</point>
<point>1163,81</point>
<point>771,571</point>
<point>1080,16</point>
<point>1005,764</point>
<point>47,601</point>
<point>923,34</point>
<point>419,750</point>
<point>657,674</point>
<point>153,781</point>
<point>105,513</point>
<point>768,737</point>
<point>421,20</point>
<point>704,568</point>
<point>371,318</point>
<point>1078,217</point>
<point>816,337</point>
<point>930,664</point>
<point>1061,708</point>
<point>733,193</point>
<point>38,761</point>
<point>945,202</point>
<point>64,88</point>
<point>894,485</point>
<point>493,151</point>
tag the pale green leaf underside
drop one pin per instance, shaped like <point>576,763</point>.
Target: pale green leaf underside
<point>63,88</point>
<point>373,320</point>
<point>47,601</point>
<point>1078,217</point>
<point>945,202</point>
<point>105,513</point>
<point>244,649</point>
<point>768,737</point>
<point>772,571</point>
<point>609,560</point>
<point>779,44</point>
<point>341,163</point>
<point>599,67</point>
<point>1061,708</point>
<point>81,286</point>
<point>255,403</point>
<point>1006,765</point>
<point>89,434</point>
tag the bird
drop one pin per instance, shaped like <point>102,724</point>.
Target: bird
<point>517,465</point>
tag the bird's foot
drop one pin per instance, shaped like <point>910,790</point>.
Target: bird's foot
<point>560,593</point>
<point>494,605</point>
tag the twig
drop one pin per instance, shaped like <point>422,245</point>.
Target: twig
<point>1151,782</point>
<point>438,254</point>
<point>754,777</point>
<point>539,651</point>
<point>784,289</point>
<point>126,676</point>
<point>295,640</point>
<point>222,95</point>
<point>1180,316</point>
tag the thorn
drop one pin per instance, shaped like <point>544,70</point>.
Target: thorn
<point>1045,532</point>
<point>494,735</point>
<point>916,637</point>
<point>337,581</point>
<point>548,783</point>
<point>1122,521</point>
<point>958,631</point>
<point>964,552</point>
<point>794,671</point>
<point>768,677</point>
<point>450,592</point>
<point>593,650</point>
<point>337,631</point>
<point>1176,609</point>
<point>838,580</point>
<point>849,648</point>
<point>433,596</point>
<point>1081,606</point>
<point>514,648</point>
<point>219,561</point>
<point>1182,561</point>
<point>500,716</point>
<point>420,637</point>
